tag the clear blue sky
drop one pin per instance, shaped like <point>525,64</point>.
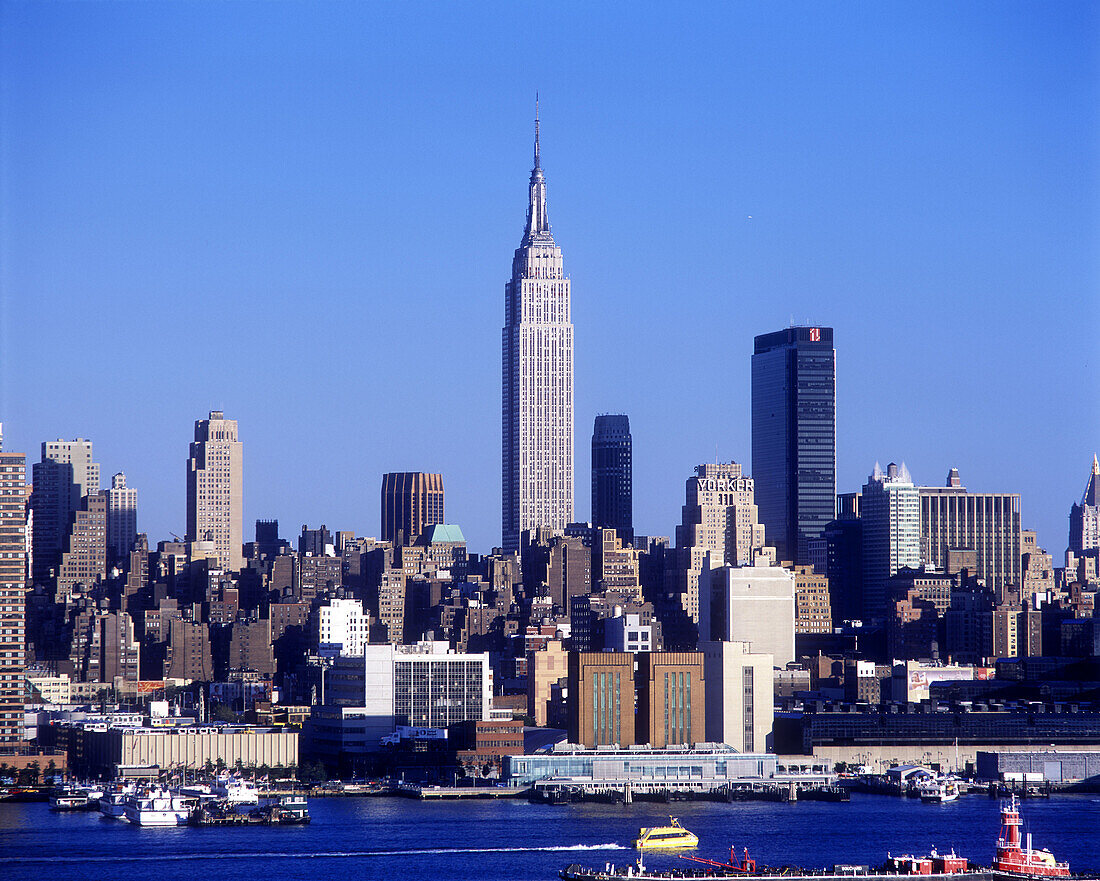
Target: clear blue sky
<point>304,214</point>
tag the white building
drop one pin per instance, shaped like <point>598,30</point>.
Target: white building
<point>215,489</point>
<point>752,604</point>
<point>890,511</point>
<point>342,623</point>
<point>626,633</point>
<point>739,687</point>
<point>537,403</point>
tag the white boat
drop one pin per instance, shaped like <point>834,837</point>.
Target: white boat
<point>157,807</point>
<point>940,791</point>
<point>112,804</point>
<point>237,792</point>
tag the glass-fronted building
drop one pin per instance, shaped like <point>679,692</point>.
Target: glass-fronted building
<point>794,437</point>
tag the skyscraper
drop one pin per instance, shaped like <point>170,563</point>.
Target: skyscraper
<point>215,489</point>
<point>61,480</point>
<point>13,548</point>
<point>794,436</point>
<point>411,502</point>
<point>537,400</point>
<point>719,519</point>
<point>952,519</point>
<point>612,476</point>
<point>890,513</point>
<point>121,519</point>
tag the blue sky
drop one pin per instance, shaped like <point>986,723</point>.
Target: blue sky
<point>304,214</point>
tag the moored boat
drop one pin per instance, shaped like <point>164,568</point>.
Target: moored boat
<point>940,791</point>
<point>157,807</point>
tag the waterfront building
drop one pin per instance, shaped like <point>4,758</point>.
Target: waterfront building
<point>739,695</point>
<point>411,502</point>
<point>612,476</point>
<point>61,480</point>
<point>719,519</point>
<point>121,520</point>
<point>752,604</point>
<point>215,489</point>
<point>13,558</point>
<point>890,514</point>
<point>794,436</point>
<point>601,698</point>
<point>671,698</point>
<point>537,394</point>
<point>952,519</point>
<point>703,769</point>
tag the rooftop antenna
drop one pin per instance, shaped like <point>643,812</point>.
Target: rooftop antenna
<point>536,129</point>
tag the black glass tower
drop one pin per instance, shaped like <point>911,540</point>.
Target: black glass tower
<point>612,476</point>
<point>794,437</point>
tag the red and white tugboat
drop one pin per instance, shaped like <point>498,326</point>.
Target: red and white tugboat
<point>1017,860</point>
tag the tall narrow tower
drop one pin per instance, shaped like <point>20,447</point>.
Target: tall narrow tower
<point>537,407</point>
<point>612,476</point>
<point>215,489</point>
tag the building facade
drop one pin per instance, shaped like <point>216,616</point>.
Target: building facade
<point>794,436</point>
<point>537,373</point>
<point>671,698</point>
<point>752,604</point>
<point>739,695</point>
<point>952,519</point>
<point>890,514</point>
<point>13,559</point>
<point>411,502</point>
<point>61,480</point>
<point>121,519</point>
<point>215,489</point>
<point>601,698</point>
<point>613,476</point>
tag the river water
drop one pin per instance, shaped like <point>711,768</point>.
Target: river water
<point>395,838</point>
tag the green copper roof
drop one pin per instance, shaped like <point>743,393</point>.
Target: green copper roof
<point>442,532</point>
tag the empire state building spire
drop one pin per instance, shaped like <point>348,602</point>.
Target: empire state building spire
<point>538,222</point>
<point>537,405</point>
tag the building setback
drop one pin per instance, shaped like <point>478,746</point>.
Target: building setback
<point>612,476</point>
<point>794,436</point>
<point>411,502</point>
<point>215,489</point>
<point>537,372</point>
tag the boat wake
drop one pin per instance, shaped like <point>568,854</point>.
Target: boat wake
<point>330,855</point>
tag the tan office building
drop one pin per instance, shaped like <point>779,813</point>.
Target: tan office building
<point>671,698</point>
<point>601,698</point>
<point>215,489</point>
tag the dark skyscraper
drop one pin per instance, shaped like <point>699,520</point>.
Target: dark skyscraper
<point>411,502</point>
<point>612,476</point>
<point>794,436</point>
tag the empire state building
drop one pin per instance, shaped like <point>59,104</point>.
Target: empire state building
<point>537,409</point>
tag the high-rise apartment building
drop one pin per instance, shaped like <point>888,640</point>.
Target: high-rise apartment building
<point>537,355</point>
<point>719,519</point>
<point>890,514</point>
<point>84,561</point>
<point>13,559</point>
<point>121,519</point>
<point>612,476</point>
<point>794,436</point>
<point>952,519</point>
<point>411,502</point>
<point>61,480</point>
<point>215,489</point>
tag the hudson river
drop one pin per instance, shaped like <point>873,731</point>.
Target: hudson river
<point>383,838</point>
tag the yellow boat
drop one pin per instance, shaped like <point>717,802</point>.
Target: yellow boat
<point>672,836</point>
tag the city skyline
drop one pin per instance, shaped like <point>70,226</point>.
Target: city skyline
<point>927,356</point>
